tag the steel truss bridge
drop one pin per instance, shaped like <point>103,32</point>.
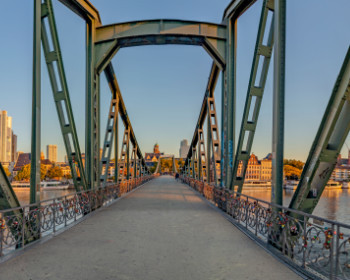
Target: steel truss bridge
<point>213,159</point>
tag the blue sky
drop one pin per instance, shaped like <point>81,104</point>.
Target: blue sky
<point>163,86</point>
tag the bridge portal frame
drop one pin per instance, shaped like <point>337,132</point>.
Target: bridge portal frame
<point>219,40</point>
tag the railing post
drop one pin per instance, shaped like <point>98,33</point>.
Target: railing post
<point>54,214</point>
<point>246,213</point>
<point>331,254</point>
<point>256,219</point>
<point>304,248</point>
<point>65,211</point>
<point>2,226</point>
<point>337,252</point>
<point>75,208</point>
<point>23,225</point>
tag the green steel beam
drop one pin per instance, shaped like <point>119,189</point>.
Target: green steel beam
<point>110,38</point>
<point>209,93</point>
<point>254,97</point>
<point>61,95</point>
<point>209,141</point>
<point>233,11</point>
<point>214,140</point>
<point>328,142</point>
<point>128,158</point>
<point>237,8</point>
<point>84,9</point>
<point>109,138</point>
<point>160,27</point>
<point>229,90</point>
<point>116,144</point>
<point>123,155</point>
<point>278,102</point>
<point>36,107</point>
<point>134,151</point>
<point>89,129</point>
<point>8,198</point>
<point>114,87</point>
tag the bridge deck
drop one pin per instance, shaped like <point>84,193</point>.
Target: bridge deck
<point>161,231</point>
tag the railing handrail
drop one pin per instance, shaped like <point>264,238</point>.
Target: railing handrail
<point>216,187</point>
<point>60,197</point>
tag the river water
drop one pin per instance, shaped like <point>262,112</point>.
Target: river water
<point>333,205</point>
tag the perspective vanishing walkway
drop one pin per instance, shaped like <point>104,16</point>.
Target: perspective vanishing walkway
<point>163,230</point>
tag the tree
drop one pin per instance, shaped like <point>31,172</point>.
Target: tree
<point>166,164</point>
<point>179,164</point>
<point>154,167</point>
<point>295,163</point>
<point>69,176</point>
<point>24,173</point>
<point>54,172</point>
<point>291,172</point>
<point>7,172</point>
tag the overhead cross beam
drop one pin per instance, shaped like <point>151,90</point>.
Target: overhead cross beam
<point>110,38</point>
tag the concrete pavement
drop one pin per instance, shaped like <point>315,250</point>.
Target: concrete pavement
<point>161,231</point>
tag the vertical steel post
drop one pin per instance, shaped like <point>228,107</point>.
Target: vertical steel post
<point>128,159</point>
<point>36,107</point>
<point>231,98</point>
<point>88,110</point>
<point>135,161</point>
<point>96,132</point>
<point>92,127</point>
<point>208,142</point>
<point>192,162</point>
<point>229,102</point>
<point>223,129</point>
<point>278,102</point>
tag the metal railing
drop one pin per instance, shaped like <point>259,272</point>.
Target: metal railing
<point>315,246</point>
<point>49,216</point>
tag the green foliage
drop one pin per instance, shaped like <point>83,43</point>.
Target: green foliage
<point>166,164</point>
<point>54,172</point>
<point>154,167</point>
<point>291,172</point>
<point>24,173</point>
<point>179,164</point>
<point>7,172</point>
<point>69,176</point>
<point>295,163</point>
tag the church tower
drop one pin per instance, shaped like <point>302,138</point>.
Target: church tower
<point>156,149</point>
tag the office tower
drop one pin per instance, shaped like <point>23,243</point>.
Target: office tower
<point>5,137</point>
<point>14,148</point>
<point>51,152</point>
<point>184,148</point>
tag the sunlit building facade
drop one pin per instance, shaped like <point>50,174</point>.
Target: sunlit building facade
<point>51,152</point>
<point>257,170</point>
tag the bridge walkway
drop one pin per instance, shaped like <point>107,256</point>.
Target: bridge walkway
<point>163,230</point>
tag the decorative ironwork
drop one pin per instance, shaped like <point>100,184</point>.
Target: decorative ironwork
<point>40,220</point>
<point>317,246</point>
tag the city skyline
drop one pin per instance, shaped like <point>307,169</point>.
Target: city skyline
<point>169,75</point>
<point>8,140</point>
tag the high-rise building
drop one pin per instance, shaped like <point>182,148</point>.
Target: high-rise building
<point>9,139</point>
<point>184,147</point>
<point>14,148</point>
<point>51,152</point>
<point>5,137</point>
